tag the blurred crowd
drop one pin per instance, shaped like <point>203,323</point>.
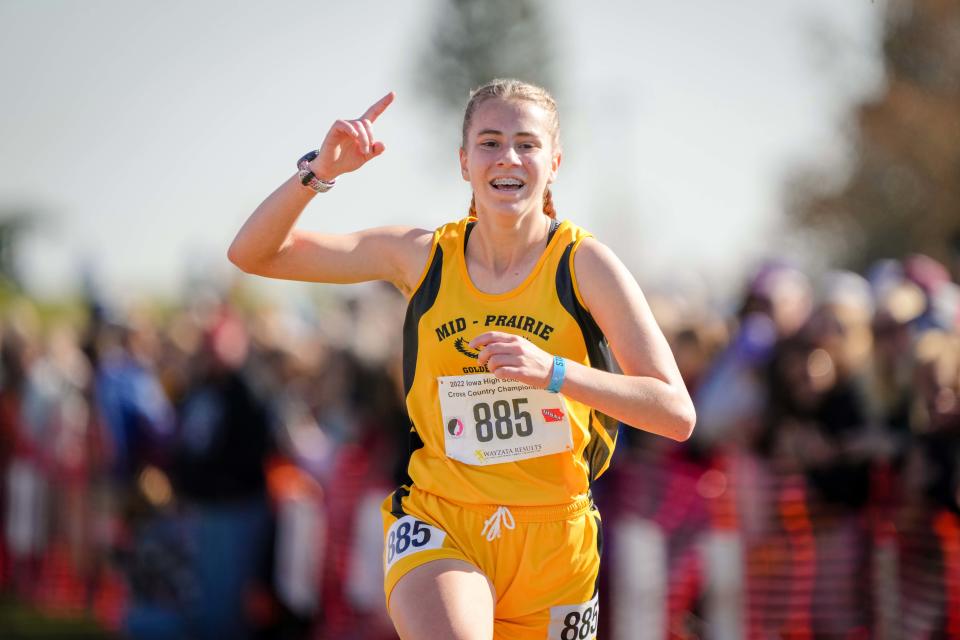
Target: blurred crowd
<point>207,471</point>
<point>820,493</point>
<point>216,469</point>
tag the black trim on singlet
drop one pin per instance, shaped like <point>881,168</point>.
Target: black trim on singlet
<point>414,442</point>
<point>597,452</point>
<point>396,505</point>
<point>554,225</point>
<point>466,235</point>
<point>421,302</point>
<point>596,585</point>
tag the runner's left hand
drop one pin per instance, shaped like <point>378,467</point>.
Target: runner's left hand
<point>511,357</point>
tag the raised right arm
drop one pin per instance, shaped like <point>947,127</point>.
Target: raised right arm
<point>268,245</point>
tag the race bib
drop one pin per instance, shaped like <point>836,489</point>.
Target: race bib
<point>487,420</point>
<point>408,536</point>
<point>575,621</point>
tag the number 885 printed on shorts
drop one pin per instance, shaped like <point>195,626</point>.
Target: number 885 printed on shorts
<point>575,621</point>
<point>409,535</point>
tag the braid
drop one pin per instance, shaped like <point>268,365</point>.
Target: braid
<point>473,207</point>
<point>548,208</point>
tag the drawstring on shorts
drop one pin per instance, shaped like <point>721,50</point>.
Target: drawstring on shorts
<point>491,528</point>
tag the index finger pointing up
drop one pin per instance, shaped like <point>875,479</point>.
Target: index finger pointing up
<point>378,107</point>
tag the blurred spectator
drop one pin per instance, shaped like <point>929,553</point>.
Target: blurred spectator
<point>134,408</point>
<point>935,416</point>
<point>363,474</point>
<point>223,441</point>
<point>25,495</point>
<point>731,398</point>
<point>889,381</point>
<point>814,412</point>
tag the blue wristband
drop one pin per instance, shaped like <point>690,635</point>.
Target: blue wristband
<point>557,375</point>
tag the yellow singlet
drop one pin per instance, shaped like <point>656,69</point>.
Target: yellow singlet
<point>478,440</point>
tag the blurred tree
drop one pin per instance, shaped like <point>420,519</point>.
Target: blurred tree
<point>903,190</point>
<point>474,42</point>
<point>14,221</point>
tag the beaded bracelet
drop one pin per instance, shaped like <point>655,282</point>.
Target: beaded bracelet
<point>307,178</point>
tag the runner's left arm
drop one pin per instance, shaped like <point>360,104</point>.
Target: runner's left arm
<point>650,393</point>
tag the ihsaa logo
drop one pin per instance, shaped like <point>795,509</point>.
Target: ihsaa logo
<point>552,415</point>
<point>455,427</point>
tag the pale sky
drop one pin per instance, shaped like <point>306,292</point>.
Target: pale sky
<point>149,131</point>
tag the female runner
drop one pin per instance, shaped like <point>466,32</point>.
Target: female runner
<point>512,396</point>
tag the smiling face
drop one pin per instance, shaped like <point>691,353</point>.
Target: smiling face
<point>509,156</point>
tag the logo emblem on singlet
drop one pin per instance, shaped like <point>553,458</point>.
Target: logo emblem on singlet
<point>455,427</point>
<point>461,345</point>
<point>528,326</point>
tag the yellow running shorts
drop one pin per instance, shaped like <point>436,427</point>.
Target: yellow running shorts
<point>544,568</point>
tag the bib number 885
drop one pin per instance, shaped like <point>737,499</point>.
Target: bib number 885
<point>499,420</point>
<point>403,538</point>
<point>575,621</point>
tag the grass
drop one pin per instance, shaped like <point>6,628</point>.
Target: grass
<point>18,621</point>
